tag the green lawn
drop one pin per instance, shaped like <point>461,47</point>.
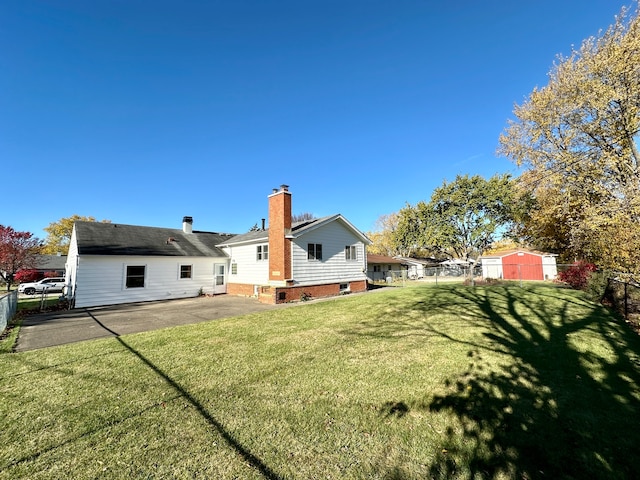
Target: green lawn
<point>444,381</point>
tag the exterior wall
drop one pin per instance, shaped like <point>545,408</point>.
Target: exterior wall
<point>492,268</point>
<point>333,268</point>
<point>522,266</point>
<point>386,270</point>
<point>273,295</point>
<point>242,289</point>
<point>414,270</point>
<point>100,280</point>
<point>549,267</point>
<point>249,269</point>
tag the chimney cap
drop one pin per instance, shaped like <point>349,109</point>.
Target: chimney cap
<point>284,188</point>
<point>187,219</point>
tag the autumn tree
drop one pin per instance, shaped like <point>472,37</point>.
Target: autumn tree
<point>59,233</point>
<point>384,238</point>
<point>18,251</point>
<point>577,136</point>
<point>462,218</point>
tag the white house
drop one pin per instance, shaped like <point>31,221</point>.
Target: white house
<point>314,258</point>
<point>382,267</point>
<point>419,267</point>
<point>111,263</point>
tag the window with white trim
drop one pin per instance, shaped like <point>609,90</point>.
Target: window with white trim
<point>350,252</point>
<point>186,271</point>
<point>135,276</point>
<point>262,252</point>
<point>314,251</point>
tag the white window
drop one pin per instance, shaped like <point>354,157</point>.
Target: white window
<point>185,271</point>
<point>262,252</point>
<point>350,252</point>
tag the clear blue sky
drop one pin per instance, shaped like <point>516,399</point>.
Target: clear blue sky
<point>142,112</point>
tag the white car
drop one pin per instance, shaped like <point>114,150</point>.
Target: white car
<point>49,285</point>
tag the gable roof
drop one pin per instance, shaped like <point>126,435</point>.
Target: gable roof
<point>511,251</point>
<point>95,238</point>
<point>51,262</point>
<point>298,229</point>
<point>429,262</point>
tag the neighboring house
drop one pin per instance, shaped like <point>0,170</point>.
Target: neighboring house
<point>419,267</point>
<point>381,267</point>
<point>54,265</point>
<point>519,264</point>
<point>112,263</point>
<point>455,267</point>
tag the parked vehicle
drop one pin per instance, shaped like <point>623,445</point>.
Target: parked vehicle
<point>48,285</point>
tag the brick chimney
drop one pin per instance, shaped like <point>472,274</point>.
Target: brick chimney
<point>279,227</point>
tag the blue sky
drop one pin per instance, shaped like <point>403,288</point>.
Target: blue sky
<point>143,112</point>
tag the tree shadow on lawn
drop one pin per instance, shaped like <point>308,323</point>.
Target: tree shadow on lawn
<point>564,406</point>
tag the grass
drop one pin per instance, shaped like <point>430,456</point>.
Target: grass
<point>428,381</point>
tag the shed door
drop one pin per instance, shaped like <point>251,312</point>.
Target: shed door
<point>219,285</point>
<point>522,266</point>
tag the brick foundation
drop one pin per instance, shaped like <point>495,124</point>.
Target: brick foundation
<point>273,295</point>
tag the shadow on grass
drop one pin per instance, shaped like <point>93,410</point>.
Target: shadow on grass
<point>566,404</point>
<point>249,457</point>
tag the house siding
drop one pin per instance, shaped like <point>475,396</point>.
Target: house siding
<point>333,267</point>
<point>250,270</point>
<point>100,280</point>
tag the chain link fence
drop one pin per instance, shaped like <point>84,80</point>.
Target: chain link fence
<point>8,307</point>
<point>461,273</point>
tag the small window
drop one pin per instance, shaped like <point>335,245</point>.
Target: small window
<point>376,268</point>
<point>262,252</point>
<point>185,271</point>
<point>344,287</point>
<point>314,251</point>
<point>135,276</point>
<point>234,269</point>
<point>350,252</point>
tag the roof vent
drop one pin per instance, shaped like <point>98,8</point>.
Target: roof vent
<point>187,224</point>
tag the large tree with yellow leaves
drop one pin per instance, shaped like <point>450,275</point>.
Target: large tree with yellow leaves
<point>577,136</point>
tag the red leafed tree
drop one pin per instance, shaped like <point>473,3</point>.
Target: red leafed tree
<point>24,276</point>
<point>18,251</point>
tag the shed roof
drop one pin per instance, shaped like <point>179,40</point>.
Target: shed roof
<point>512,251</point>
<point>95,238</point>
<point>373,258</point>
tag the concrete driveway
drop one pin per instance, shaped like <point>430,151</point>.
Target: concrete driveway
<point>68,326</point>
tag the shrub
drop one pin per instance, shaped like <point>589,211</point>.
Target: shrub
<point>24,276</point>
<point>597,285</point>
<point>577,275</point>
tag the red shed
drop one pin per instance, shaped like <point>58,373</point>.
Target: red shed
<point>520,264</point>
